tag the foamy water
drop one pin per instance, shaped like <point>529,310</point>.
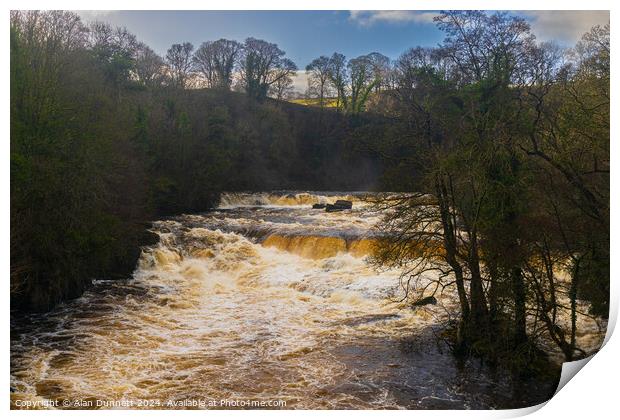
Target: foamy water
<point>263,299</point>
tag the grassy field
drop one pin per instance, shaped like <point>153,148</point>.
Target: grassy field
<point>329,102</point>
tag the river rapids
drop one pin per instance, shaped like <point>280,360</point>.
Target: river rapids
<point>262,299</point>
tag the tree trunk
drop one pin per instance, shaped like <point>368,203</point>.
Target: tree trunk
<point>518,291</point>
<point>479,319</point>
<point>449,242</point>
<point>493,310</point>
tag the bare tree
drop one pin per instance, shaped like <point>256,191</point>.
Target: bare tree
<point>262,65</point>
<point>485,46</point>
<point>318,78</point>
<point>111,43</point>
<point>382,69</point>
<point>148,67</point>
<point>179,60</point>
<point>337,73</point>
<point>204,63</point>
<point>216,61</point>
<point>52,37</point>
<point>57,31</point>
<point>282,89</point>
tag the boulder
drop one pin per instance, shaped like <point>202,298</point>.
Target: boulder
<point>332,207</point>
<point>318,206</point>
<point>345,204</point>
<point>339,205</point>
<point>429,300</point>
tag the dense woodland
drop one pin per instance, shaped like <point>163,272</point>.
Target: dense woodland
<point>501,143</point>
<point>106,136</point>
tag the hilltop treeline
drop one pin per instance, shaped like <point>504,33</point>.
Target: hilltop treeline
<point>105,136</point>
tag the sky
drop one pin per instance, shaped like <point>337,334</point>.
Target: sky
<point>305,35</point>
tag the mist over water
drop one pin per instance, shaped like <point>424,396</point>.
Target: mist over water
<point>264,298</point>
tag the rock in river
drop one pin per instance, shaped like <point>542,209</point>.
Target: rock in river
<point>339,205</point>
<point>429,300</point>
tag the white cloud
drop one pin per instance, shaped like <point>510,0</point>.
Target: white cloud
<point>564,25</point>
<point>94,15</point>
<point>370,17</point>
<point>300,81</point>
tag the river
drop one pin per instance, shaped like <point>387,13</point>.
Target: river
<point>261,299</point>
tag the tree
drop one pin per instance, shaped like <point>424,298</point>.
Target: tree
<point>117,49</point>
<point>364,79</point>
<point>149,67</point>
<point>282,88</point>
<point>484,135</point>
<point>318,78</point>
<point>569,139</point>
<point>381,67</point>
<point>353,81</point>
<point>179,60</point>
<point>77,190</point>
<point>489,51</point>
<point>337,73</point>
<point>216,60</point>
<point>262,65</point>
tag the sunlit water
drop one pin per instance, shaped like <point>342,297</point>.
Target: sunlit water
<point>262,299</point>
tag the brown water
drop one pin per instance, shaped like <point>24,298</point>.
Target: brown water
<point>263,299</point>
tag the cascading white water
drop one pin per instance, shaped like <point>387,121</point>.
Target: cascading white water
<point>262,299</point>
<point>231,200</point>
